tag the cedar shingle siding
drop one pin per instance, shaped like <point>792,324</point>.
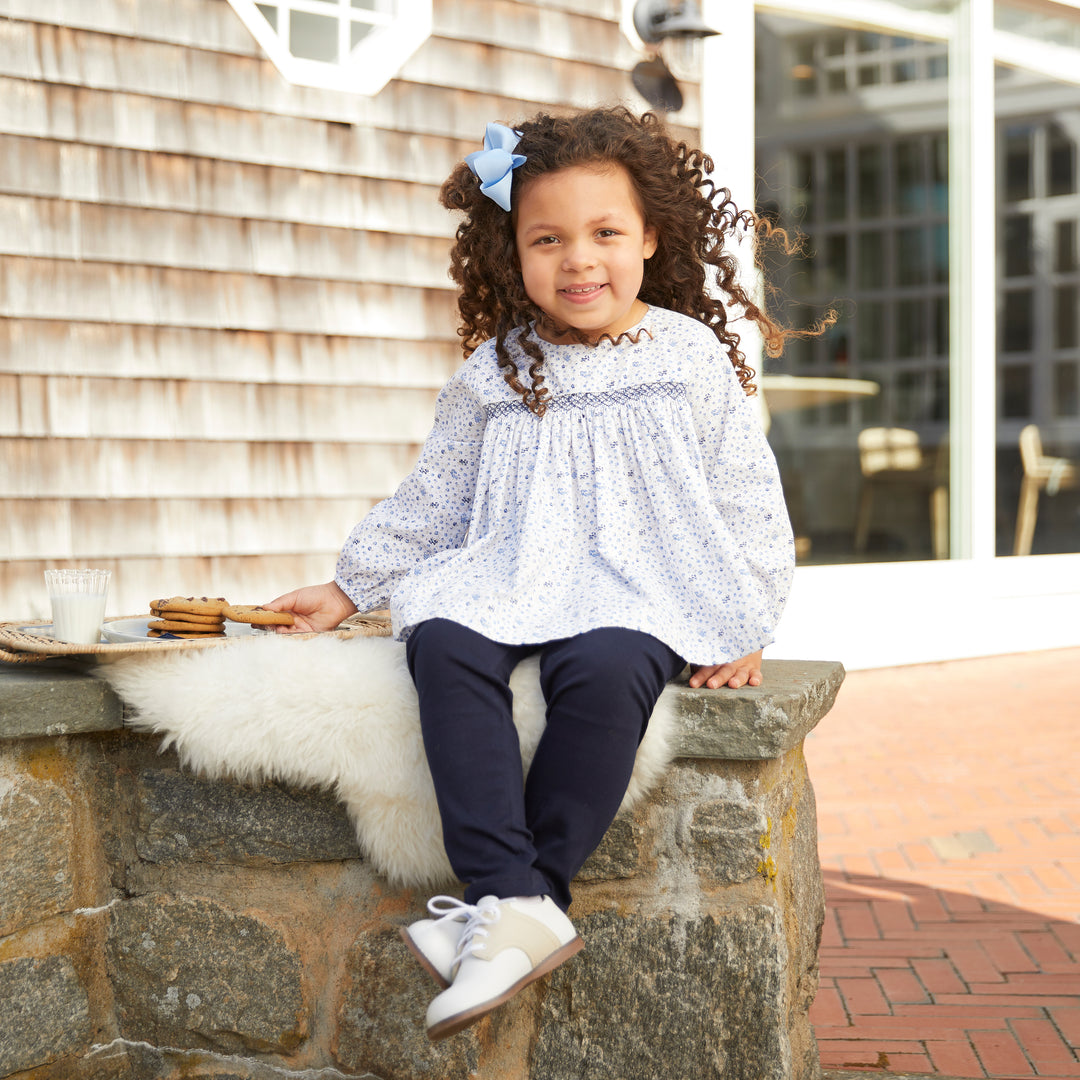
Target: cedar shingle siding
<point>224,308</point>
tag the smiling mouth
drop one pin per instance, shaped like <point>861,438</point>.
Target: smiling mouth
<point>581,292</point>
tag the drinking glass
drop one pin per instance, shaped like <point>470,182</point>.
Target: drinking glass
<point>78,604</point>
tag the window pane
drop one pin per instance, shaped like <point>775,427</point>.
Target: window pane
<point>910,258</point>
<point>1060,161</point>
<point>804,69</point>
<point>939,402</point>
<point>836,201</point>
<point>836,345</point>
<point>909,396</point>
<point>1066,298</point>
<point>910,185</point>
<point>835,264</point>
<point>1065,245</point>
<point>871,260</point>
<point>904,71</point>
<point>1017,327</point>
<point>270,13</point>
<point>1017,245</point>
<point>357,32</point>
<point>803,184</point>
<point>1016,392</point>
<point>313,37</point>
<point>910,328</point>
<point>941,327</point>
<point>871,181</point>
<point>939,166</point>
<point>1066,389</point>
<point>1017,164</point>
<point>939,253</point>
<point>870,330</point>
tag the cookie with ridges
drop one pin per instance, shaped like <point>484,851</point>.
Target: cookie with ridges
<point>258,616</point>
<point>195,621</point>
<point>181,634</point>
<point>193,605</point>
<point>175,626</point>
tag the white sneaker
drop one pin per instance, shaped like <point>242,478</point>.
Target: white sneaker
<point>434,942</point>
<point>506,945</point>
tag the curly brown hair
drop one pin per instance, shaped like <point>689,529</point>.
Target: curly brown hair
<point>691,215</point>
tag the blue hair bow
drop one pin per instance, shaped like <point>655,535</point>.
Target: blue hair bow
<point>495,164</point>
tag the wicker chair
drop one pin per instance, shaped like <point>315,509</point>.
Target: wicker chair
<point>1041,472</point>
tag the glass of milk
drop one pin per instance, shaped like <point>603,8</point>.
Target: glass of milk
<point>78,604</point>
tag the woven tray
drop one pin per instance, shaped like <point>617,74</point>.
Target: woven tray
<point>18,646</point>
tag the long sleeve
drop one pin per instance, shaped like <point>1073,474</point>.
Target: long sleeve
<point>743,479</point>
<point>429,512</point>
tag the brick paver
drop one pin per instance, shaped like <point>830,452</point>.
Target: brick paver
<point>949,826</point>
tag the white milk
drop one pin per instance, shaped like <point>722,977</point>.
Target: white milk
<point>77,617</point>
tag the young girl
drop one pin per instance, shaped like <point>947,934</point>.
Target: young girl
<point>596,489</point>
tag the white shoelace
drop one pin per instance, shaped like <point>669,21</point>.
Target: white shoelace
<point>477,918</point>
<point>449,909</point>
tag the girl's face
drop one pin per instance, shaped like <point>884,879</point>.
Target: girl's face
<point>582,243</point>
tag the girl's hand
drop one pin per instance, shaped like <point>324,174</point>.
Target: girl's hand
<point>315,607</point>
<point>744,672</point>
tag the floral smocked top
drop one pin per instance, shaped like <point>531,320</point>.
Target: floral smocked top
<point>646,497</point>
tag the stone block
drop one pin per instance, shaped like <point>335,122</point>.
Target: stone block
<point>184,818</point>
<point>381,1017</point>
<point>49,699</point>
<point>190,972</point>
<point>757,722</point>
<point>807,903</point>
<point>669,997</point>
<point>723,841</point>
<point>619,854</point>
<point>124,1060</point>
<point>36,838</point>
<point>44,1012</point>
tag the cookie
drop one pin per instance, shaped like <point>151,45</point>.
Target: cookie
<point>174,626</point>
<point>194,621</point>
<point>181,634</point>
<point>258,616</point>
<point>193,605</point>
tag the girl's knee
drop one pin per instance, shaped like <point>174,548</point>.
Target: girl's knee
<point>621,668</point>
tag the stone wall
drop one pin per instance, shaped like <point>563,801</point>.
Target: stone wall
<point>157,926</point>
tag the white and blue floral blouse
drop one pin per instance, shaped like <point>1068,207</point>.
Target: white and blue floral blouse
<point>647,498</point>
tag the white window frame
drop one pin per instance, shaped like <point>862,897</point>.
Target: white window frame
<point>368,67</point>
<point>975,604</point>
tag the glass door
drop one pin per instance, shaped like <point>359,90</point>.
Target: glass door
<point>852,153</point>
<point>1037,110</point>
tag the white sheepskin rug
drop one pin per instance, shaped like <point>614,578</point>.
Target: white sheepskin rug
<point>332,713</point>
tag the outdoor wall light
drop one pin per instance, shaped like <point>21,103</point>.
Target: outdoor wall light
<point>655,20</point>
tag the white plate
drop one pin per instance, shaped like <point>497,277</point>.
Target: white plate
<point>39,629</point>
<point>122,631</point>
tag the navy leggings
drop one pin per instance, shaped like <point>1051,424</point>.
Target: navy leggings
<point>506,835</point>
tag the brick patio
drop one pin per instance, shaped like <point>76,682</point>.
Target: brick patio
<point>949,817</point>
